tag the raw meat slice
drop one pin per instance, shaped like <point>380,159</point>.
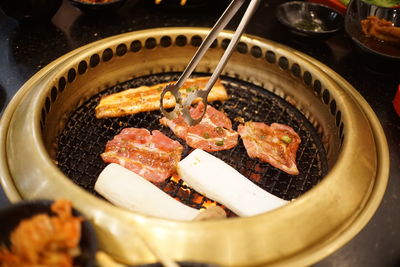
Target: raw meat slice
<point>153,157</point>
<point>276,144</point>
<point>213,133</point>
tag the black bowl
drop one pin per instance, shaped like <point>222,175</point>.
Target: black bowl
<point>177,3</point>
<point>30,9</point>
<point>358,10</point>
<point>309,19</point>
<point>11,216</point>
<point>97,7</point>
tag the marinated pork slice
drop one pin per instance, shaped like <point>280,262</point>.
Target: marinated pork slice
<point>213,133</point>
<point>276,144</point>
<point>147,98</point>
<point>152,156</point>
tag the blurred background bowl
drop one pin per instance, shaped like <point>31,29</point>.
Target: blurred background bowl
<point>337,5</point>
<point>309,19</point>
<point>99,6</point>
<point>186,4</point>
<point>12,215</point>
<point>359,10</point>
<point>30,9</point>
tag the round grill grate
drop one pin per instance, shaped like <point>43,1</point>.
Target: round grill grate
<point>84,137</point>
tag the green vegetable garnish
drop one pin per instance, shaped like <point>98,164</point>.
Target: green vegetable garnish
<point>219,129</point>
<point>206,135</point>
<point>286,139</point>
<point>384,3</point>
<point>220,143</point>
<point>159,88</point>
<point>309,25</point>
<point>190,89</point>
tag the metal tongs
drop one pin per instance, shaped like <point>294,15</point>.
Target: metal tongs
<point>184,108</point>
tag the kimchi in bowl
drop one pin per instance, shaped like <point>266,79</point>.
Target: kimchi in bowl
<point>11,217</point>
<point>372,42</point>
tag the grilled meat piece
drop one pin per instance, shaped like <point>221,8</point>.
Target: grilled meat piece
<point>213,133</point>
<point>276,144</point>
<point>147,98</point>
<point>153,156</point>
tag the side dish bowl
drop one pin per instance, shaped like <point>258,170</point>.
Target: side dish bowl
<point>359,10</point>
<point>335,4</point>
<point>30,9</point>
<point>12,215</point>
<point>309,19</point>
<point>93,6</point>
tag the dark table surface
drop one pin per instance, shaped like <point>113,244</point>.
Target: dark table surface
<point>27,45</point>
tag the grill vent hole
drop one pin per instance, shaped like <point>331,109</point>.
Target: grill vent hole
<point>225,43</point>
<point>326,96</point>
<point>107,54</point>
<point>136,46</point>
<point>270,57</point>
<point>338,118</point>
<point>165,41</point>
<point>333,107</point>
<point>181,40</point>
<point>283,63</point>
<point>196,41</point>
<point>94,60</point>
<point>53,94</point>
<point>150,43</point>
<point>256,52</point>
<point>242,48</point>
<point>214,44</point>
<point>317,87</point>
<point>61,84</point>
<point>82,67</point>
<point>47,104</point>
<point>43,117</point>
<point>71,75</point>
<point>296,70</point>
<point>341,127</point>
<point>121,50</point>
<point>307,78</point>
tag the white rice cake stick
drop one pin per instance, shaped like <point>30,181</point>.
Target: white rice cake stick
<point>217,180</point>
<point>126,189</point>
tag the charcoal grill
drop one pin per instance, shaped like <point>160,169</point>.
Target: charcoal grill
<point>83,139</point>
<point>343,158</point>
